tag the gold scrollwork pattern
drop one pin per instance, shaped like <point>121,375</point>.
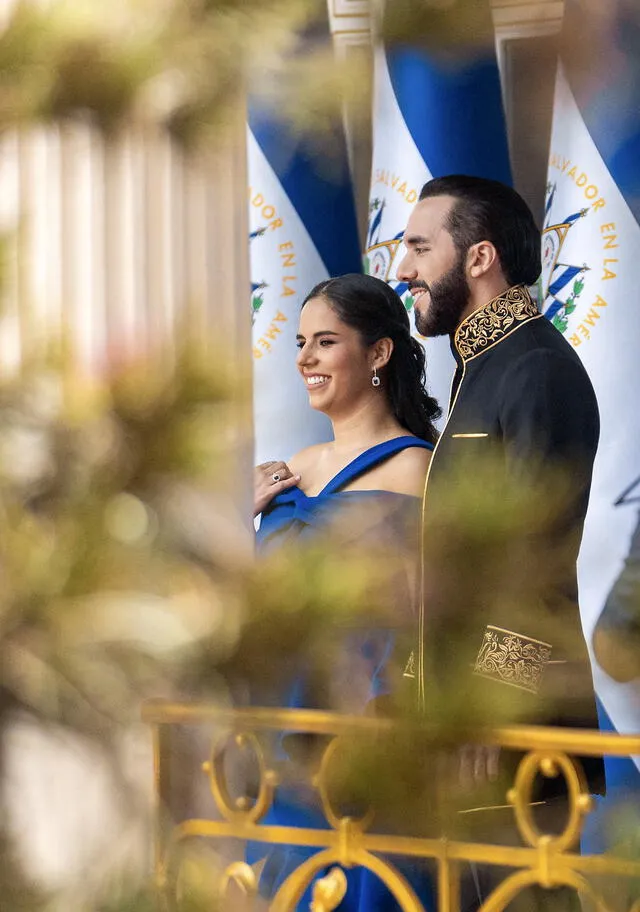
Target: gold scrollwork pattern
<point>329,891</point>
<point>512,658</point>
<point>242,874</point>
<point>322,782</point>
<point>488,325</point>
<point>291,892</point>
<point>242,808</point>
<point>520,796</point>
<point>535,857</point>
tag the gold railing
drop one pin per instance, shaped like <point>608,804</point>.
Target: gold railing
<point>546,859</point>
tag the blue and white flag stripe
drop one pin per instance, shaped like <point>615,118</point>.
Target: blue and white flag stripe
<point>593,173</point>
<point>303,230</point>
<point>431,118</point>
<point>609,101</point>
<point>562,279</point>
<point>320,191</point>
<point>453,112</point>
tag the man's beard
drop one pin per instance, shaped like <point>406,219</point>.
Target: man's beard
<point>449,298</point>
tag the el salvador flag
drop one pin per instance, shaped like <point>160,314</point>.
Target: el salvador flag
<point>303,229</point>
<point>434,114</point>
<point>590,293</point>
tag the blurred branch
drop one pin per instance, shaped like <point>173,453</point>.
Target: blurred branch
<point>179,63</point>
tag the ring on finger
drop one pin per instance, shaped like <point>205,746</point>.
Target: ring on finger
<point>276,477</point>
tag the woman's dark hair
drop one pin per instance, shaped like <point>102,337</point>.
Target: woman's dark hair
<point>486,210</point>
<point>372,307</point>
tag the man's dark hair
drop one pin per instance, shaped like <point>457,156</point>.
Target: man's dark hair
<point>486,210</point>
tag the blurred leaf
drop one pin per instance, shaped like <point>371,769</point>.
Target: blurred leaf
<point>447,28</point>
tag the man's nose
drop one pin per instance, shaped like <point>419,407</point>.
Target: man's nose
<point>406,271</point>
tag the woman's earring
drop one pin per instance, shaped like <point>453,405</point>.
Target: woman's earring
<point>375,380</point>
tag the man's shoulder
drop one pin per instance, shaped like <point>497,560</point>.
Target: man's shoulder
<point>539,347</point>
<point>537,333</point>
<point>546,384</point>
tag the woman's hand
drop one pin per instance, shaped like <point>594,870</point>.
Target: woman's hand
<point>269,479</point>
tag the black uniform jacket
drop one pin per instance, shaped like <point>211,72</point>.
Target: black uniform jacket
<point>506,635</point>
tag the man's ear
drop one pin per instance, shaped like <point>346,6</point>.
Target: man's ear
<point>481,258</point>
<point>381,353</point>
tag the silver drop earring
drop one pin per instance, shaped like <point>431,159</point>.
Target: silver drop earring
<point>375,380</point>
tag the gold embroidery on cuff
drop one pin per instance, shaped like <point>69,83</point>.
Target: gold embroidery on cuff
<point>410,668</point>
<point>512,658</point>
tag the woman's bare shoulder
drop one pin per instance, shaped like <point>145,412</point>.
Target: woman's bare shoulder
<point>405,472</point>
<point>304,458</point>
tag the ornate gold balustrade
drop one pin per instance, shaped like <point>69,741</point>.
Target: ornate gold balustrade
<point>541,858</point>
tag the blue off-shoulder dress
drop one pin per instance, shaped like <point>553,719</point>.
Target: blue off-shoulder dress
<point>292,516</point>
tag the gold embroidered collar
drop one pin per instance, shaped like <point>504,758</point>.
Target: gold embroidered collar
<point>490,324</point>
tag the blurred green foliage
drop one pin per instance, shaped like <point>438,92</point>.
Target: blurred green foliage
<point>179,64</point>
<point>123,573</point>
<point>117,564</point>
<point>448,28</point>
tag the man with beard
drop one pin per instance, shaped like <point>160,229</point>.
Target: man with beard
<point>521,402</point>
